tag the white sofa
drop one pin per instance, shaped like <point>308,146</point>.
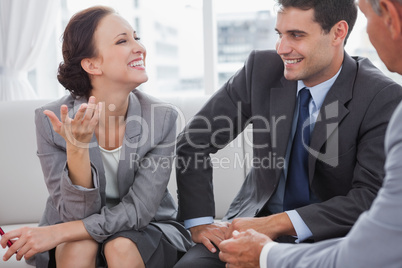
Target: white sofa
<point>23,192</point>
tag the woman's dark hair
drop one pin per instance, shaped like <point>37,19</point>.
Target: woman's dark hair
<point>78,44</point>
<point>327,12</point>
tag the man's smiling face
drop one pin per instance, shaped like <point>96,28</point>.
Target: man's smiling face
<point>306,50</point>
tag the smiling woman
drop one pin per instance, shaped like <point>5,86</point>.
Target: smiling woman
<point>103,209</point>
<point>116,43</point>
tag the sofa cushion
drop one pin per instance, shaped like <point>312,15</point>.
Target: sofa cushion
<point>23,193</point>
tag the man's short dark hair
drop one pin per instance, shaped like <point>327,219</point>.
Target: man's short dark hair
<point>327,12</point>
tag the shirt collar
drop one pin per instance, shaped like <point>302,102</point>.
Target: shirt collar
<point>319,91</point>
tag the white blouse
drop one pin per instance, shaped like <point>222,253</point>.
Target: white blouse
<point>111,163</point>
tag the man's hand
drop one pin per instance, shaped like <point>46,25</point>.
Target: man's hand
<point>209,233</point>
<point>272,226</point>
<point>244,249</point>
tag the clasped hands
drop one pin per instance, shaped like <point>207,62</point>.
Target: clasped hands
<point>240,242</point>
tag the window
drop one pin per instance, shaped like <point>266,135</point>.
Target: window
<point>193,46</point>
<point>242,28</point>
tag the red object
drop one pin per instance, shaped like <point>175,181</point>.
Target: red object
<point>9,243</point>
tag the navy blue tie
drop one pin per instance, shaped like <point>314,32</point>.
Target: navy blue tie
<point>297,190</point>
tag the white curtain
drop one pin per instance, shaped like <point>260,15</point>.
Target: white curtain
<point>25,26</point>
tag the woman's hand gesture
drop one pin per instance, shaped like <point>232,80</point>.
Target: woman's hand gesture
<point>77,131</point>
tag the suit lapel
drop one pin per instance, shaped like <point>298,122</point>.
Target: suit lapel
<point>126,170</point>
<point>332,112</point>
<point>282,105</point>
<point>127,167</point>
<point>96,159</point>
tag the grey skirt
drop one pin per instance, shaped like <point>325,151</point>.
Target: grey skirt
<point>155,249</point>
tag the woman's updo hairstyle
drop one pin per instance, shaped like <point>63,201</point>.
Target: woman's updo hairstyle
<point>78,44</point>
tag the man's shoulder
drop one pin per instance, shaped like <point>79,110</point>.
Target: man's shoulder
<point>266,57</point>
<point>366,80</point>
<point>368,73</point>
<point>266,52</point>
<point>265,66</point>
<point>394,128</point>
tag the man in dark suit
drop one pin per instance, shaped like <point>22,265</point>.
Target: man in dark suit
<point>311,104</point>
<point>375,239</point>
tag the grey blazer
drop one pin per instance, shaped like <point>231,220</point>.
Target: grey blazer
<point>345,168</point>
<point>143,173</point>
<point>375,240</point>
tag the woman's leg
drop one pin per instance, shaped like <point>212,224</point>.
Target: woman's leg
<point>121,252</point>
<point>78,254</point>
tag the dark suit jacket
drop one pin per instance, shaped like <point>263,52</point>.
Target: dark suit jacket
<point>375,239</point>
<point>347,144</point>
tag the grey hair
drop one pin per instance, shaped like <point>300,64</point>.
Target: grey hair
<point>375,4</point>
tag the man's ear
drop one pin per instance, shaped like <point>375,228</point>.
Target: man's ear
<point>91,66</point>
<point>390,14</point>
<point>340,31</point>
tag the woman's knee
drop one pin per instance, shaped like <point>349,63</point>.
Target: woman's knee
<point>122,250</point>
<point>120,246</point>
<point>77,254</point>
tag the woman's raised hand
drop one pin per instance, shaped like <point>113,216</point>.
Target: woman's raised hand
<point>77,131</point>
